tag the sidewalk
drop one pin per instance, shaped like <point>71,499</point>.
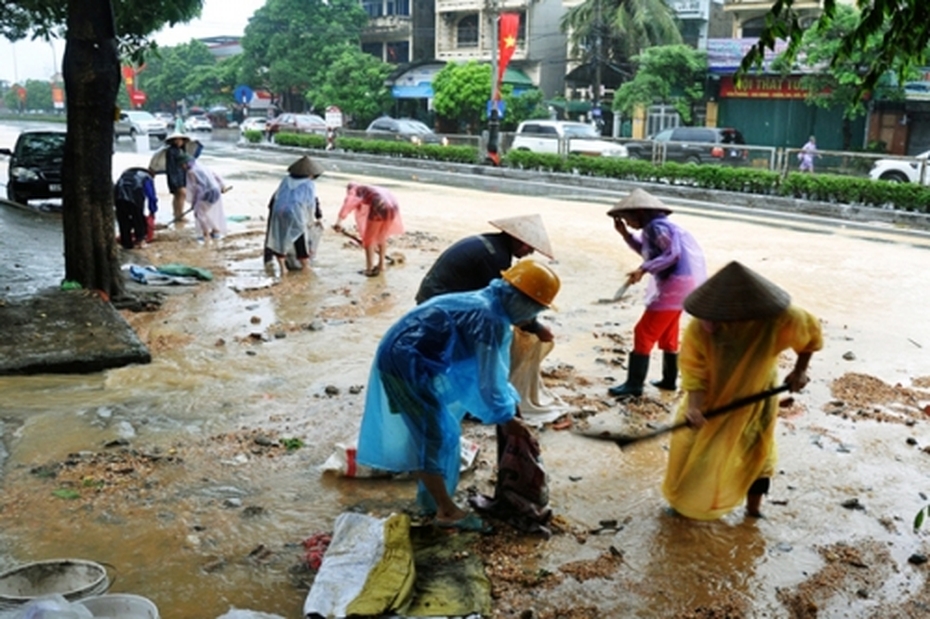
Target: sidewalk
<point>72,332</point>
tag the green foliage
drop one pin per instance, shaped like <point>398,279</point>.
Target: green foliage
<point>292,444</point>
<point>525,106</point>
<point>671,74</point>
<point>355,83</point>
<point>38,96</point>
<point>186,71</point>
<point>290,45</point>
<point>893,31</point>
<point>920,517</point>
<point>135,19</point>
<point>66,493</point>
<point>625,27</point>
<point>819,187</point>
<point>462,92</point>
<point>302,140</point>
<point>253,136</point>
<point>389,148</point>
<point>840,86</point>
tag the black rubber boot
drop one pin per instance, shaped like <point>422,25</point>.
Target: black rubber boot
<point>635,376</point>
<point>669,372</point>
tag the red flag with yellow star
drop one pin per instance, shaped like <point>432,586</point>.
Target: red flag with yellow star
<point>509,25</point>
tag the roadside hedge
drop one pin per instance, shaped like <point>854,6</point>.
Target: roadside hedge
<point>831,188</point>
<point>386,148</point>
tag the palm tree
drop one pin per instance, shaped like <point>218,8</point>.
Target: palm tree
<point>614,31</point>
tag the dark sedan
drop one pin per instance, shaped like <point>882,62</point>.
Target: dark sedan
<point>405,129</point>
<point>35,166</point>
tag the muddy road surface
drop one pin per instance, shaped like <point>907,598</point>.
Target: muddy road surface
<point>198,476</point>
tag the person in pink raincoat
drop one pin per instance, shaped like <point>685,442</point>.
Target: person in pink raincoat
<point>377,217</point>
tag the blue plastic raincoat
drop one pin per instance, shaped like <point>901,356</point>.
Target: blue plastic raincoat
<point>291,212</point>
<point>446,357</point>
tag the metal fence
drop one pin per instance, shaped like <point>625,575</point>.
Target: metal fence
<point>775,159</point>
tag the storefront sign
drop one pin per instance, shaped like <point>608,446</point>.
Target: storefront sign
<point>762,87</point>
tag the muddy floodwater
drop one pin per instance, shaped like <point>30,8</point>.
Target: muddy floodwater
<point>178,475</point>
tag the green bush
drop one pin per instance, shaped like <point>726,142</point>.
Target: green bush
<point>832,188</point>
<point>386,148</point>
<point>820,187</point>
<point>301,140</point>
<point>253,136</point>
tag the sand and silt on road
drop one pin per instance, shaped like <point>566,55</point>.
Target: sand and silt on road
<point>201,505</point>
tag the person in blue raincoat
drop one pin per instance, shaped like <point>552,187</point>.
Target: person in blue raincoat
<point>448,356</point>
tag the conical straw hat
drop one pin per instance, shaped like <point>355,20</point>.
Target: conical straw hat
<point>639,200</point>
<point>736,293</point>
<point>175,135</point>
<point>305,167</point>
<point>526,228</point>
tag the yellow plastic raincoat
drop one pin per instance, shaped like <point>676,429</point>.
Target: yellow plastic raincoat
<point>710,470</point>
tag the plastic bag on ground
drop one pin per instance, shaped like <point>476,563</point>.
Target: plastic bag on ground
<point>343,460</point>
<point>239,613</point>
<point>367,570</point>
<point>53,606</point>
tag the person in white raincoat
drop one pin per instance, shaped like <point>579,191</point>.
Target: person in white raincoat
<point>205,195</point>
<point>292,209</point>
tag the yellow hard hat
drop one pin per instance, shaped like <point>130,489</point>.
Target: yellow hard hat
<point>535,280</point>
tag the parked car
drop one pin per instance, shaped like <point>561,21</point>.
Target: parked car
<point>167,118</point>
<point>35,166</point>
<point>136,122</point>
<point>198,123</point>
<point>695,145</point>
<point>253,123</point>
<point>902,170</point>
<point>405,129</point>
<point>544,136</point>
<point>297,123</point>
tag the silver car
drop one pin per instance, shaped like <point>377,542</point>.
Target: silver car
<point>136,122</point>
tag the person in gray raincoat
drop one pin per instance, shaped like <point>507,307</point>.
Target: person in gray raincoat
<point>291,210</point>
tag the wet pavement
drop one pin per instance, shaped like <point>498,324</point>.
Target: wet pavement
<point>204,516</point>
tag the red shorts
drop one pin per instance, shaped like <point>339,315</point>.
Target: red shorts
<point>656,327</point>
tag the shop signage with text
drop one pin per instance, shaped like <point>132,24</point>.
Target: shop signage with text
<point>763,87</point>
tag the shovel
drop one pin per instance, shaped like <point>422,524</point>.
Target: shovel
<point>622,440</point>
<point>620,292</point>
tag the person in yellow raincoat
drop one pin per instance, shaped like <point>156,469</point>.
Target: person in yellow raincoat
<point>742,322</point>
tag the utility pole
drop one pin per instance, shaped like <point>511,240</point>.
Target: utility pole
<point>494,116</point>
<point>598,55</point>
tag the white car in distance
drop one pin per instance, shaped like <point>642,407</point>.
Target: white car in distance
<point>902,170</point>
<point>197,123</point>
<point>564,136</point>
<point>253,123</point>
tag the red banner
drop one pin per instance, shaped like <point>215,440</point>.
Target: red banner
<point>509,26</point>
<point>136,96</point>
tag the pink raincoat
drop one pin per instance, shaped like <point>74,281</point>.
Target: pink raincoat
<point>377,214</point>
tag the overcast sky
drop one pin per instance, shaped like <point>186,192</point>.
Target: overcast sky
<point>40,59</point>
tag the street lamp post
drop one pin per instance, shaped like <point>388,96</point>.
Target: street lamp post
<point>494,115</point>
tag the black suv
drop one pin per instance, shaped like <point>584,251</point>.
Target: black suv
<point>694,145</point>
<point>35,166</point>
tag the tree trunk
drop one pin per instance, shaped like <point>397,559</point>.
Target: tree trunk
<point>92,79</point>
